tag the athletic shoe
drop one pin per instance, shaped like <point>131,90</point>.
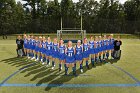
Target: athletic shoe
<point>41,60</point>
<point>52,68</point>
<point>37,59</point>
<point>43,63</point>
<point>33,58</point>
<point>81,70</point>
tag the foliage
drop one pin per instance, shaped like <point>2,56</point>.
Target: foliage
<point>41,16</point>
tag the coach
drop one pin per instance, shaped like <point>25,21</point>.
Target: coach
<point>19,49</point>
<point>117,51</point>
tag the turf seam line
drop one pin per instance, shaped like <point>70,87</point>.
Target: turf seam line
<point>71,85</point>
<point>127,73</point>
<point>10,76</point>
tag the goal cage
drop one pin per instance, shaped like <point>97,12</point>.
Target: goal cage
<point>71,35</point>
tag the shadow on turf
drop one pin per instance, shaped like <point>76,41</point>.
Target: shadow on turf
<point>61,80</point>
<point>16,61</point>
<point>46,74</point>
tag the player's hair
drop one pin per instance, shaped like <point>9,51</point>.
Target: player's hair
<point>111,34</point>
<point>69,42</point>
<point>60,41</point>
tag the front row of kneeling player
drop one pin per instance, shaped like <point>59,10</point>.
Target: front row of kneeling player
<point>45,50</point>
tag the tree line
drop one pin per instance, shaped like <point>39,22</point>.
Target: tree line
<point>41,16</point>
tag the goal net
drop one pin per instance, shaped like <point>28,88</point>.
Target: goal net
<point>71,34</point>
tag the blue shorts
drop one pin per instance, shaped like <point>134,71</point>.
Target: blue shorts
<point>28,46</point>
<point>108,47</point>
<point>32,47</point>
<point>96,50</point>
<point>25,45</point>
<point>100,49</point>
<point>39,49</point>
<point>104,48</point>
<point>43,50</point>
<point>70,59</point>
<point>36,49</point>
<point>85,54</point>
<point>48,52</point>
<point>61,56</point>
<point>55,54</point>
<point>79,57</point>
<point>91,51</point>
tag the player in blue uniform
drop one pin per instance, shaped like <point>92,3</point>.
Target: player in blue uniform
<point>107,47</point>
<point>25,44</point>
<point>79,54</point>
<point>54,52</point>
<point>43,50</point>
<point>32,46</point>
<point>38,48</point>
<point>86,52</point>
<point>70,59</point>
<point>62,48</point>
<point>96,48</point>
<point>104,46</point>
<point>111,44</point>
<point>49,46</point>
<point>92,50</point>
<point>28,46</point>
<point>100,48</point>
<point>35,48</point>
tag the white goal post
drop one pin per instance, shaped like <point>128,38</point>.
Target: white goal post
<point>72,35</point>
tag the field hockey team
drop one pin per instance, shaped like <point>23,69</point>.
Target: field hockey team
<point>47,51</point>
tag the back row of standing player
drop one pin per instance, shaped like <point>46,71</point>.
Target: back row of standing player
<point>44,50</point>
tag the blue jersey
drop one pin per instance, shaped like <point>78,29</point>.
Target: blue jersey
<point>112,41</point>
<point>32,42</point>
<point>85,47</point>
<point>49,45</point>
<point>100,43</point>
<point>70,55</point>
<point>104,42</point>
<point>43,44</point>
<point>78,50</point>
<point>55,47</point>
<point>70,52</point>
<point>28,41</point>
<point>96,44</point>
<point>91,44</point>
<point>36,43</point>
<point>25,41</point>
<point>108,42</point>
<point>62,49</point>
<point>86,50</point>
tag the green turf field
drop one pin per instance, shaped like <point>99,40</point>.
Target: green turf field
<point>121,76</point>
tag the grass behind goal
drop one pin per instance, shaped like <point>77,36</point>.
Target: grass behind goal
<point>123,36</point>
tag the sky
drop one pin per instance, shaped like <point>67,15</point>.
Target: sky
<point>121,1</point>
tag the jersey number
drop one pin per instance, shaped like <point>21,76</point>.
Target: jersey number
<point>69,54</point>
